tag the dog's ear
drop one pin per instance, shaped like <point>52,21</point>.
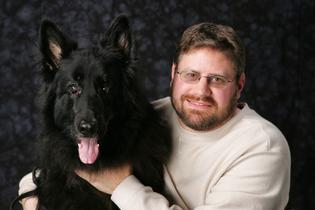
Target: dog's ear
<point>54,45</point>
<point>119,35</point>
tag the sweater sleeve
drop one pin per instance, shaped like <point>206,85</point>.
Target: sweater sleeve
<point>26,184</point>
<point>131,194</point>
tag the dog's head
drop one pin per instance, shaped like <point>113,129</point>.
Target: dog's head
<point>86,89</point>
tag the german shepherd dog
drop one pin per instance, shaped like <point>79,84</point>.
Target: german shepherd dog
<point>94,117</point>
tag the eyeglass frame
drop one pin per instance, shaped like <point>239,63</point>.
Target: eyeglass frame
<point>208,77</point>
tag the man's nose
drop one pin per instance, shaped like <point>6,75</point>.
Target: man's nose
<point>202,87</point>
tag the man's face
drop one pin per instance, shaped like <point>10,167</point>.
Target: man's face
<point>202,106</point>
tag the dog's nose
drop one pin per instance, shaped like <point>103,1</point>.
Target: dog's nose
<point>87,128</point>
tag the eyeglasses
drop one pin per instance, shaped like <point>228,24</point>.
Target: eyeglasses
<point>193,77</point>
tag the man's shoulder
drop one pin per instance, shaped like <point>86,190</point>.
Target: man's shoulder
<point>164,107</point>
<point>254,119</point>
<point>162,103</point>
<point>263,129</point>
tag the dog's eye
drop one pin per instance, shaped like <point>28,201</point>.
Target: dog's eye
<point>105,89</point>
<point>78,76</point>
<point>73,89</point>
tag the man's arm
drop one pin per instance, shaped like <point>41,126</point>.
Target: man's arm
<point>258,180</point>
<point>125,187</point>
<point>115,181</point>
<point>26,185</point>
<point>131,192</point>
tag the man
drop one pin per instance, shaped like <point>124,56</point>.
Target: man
<point>225,155</point>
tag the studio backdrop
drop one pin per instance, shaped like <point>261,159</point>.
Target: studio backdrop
<point>279,36</point>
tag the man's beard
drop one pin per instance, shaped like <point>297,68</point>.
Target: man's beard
<point>203,120</point>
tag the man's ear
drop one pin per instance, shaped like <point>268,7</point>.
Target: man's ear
<point>119,35</point>
<point>54,45</point>
<point>240,85</point>
<point>173,70</point>
<point>173,73</point>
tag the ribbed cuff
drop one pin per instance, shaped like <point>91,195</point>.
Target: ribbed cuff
<point>26,184</point>
<point>125,192</point>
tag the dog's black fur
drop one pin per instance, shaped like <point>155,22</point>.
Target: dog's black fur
<point>92,93</point>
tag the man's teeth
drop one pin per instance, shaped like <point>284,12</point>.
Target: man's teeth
<point>199,103</point>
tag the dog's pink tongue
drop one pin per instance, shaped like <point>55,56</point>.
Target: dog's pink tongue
<point>88,150</point>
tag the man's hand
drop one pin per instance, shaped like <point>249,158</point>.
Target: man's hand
<point>106,180</point>
<point>29,203</point>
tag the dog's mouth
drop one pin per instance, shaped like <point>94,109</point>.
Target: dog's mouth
<point>88,149</point>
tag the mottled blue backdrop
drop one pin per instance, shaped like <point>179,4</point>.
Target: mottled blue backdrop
<point>279,36</point>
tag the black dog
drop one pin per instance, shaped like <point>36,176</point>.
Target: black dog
<point>94,117</point>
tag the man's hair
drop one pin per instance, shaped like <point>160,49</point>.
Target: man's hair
<point>214,36</point>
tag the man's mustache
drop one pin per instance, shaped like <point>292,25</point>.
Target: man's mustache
<point>200,98</point>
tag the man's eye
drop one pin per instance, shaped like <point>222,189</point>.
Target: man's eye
<point>215,79</point>
<point>191,75</point>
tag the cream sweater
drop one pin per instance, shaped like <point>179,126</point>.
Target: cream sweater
<point>243,165</point>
